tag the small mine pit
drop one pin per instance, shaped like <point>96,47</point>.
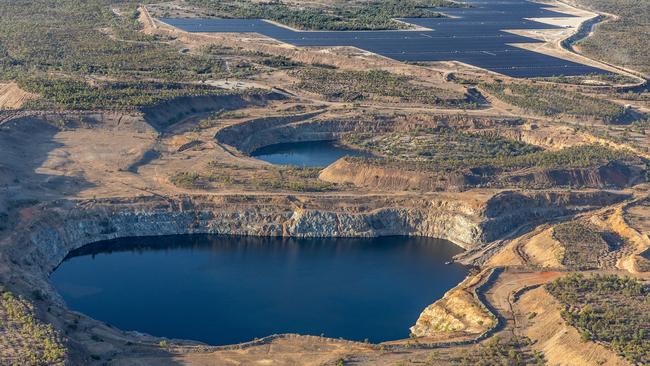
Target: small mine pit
<point>310,154</point>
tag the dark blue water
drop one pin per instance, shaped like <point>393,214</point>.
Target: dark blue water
<point>314,154</point>
<point>224,290</point>
<point>646,254</point>
<point>477,36</point>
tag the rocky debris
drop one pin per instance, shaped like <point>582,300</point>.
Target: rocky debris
<point>457,311</point>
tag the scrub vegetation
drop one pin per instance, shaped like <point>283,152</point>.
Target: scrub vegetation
<point>79,95</point>
<point>341,15</point>
<point>624,41</point>
<point>82,55</point>
<point>219,175</point>
<point>582,245</point>
<point>24,339</point>
<point>498,351</point>
<point>67,39</point>
<point>553,101</point>
<point>584,156</point>
<point>608,79</point>
<point>608,309</point>
<point>439,144</point>
<point>351,86</point>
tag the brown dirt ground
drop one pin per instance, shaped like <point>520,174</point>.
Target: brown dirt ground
<point>559,342</point>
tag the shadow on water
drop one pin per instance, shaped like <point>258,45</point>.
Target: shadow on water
<point>225,290</point>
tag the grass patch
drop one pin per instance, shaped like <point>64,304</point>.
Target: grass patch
<point>608,309</point>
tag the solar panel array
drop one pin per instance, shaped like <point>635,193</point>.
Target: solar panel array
<point>476,36</point>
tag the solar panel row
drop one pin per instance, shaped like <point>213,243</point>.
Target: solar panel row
<point>476,36</point>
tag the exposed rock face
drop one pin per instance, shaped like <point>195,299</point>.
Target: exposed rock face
<point>50,237</point>
<point>51,233</point>
<point>457,311</point>
<point>251,135</point>
<point>254,134</point>
<point>616,174</point>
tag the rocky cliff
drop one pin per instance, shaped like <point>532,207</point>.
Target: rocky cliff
<point>41,242</point>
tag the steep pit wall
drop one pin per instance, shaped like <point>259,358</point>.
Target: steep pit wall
<point>47,238</point>
<point>251,135</point>
<point>508,210</point>
<point>470,220</point>
<point>165,114</point>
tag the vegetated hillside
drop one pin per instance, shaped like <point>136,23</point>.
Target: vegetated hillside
<point>444,144</point>
<point>90,55</point>
<point>349,86</point>
<point>65,37</point>
<point>587,166</point>
<point>553,101</point>
<point>80,95</point>
<point>220,175</point>
<point>341,15</point>
<point>623,42</point>
<point>583,246</point>
<point>496,152</point>
<point>25,339</point>
<point>608,309</point>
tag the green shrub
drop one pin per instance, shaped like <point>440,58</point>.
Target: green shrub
<point>583,156</point>
<point>39,343</point>
<point>583,245</point>
<point>610,309</point>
